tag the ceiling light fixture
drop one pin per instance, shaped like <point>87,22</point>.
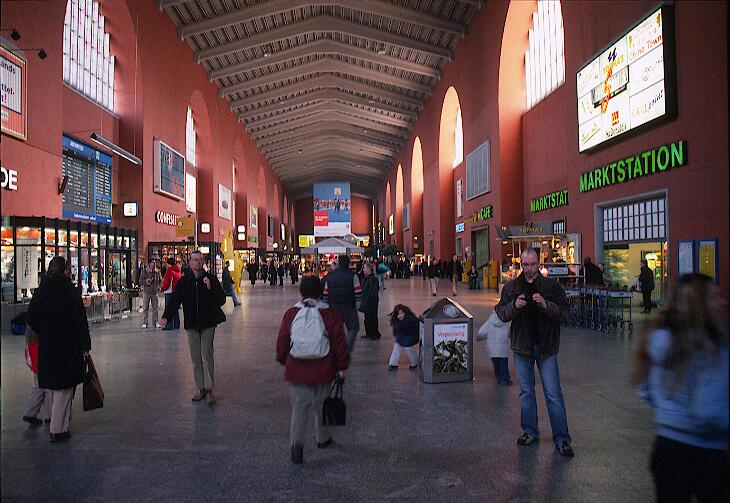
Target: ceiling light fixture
<point>116,149</point>
<point>380,48</point>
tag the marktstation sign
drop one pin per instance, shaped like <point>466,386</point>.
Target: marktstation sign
<point>549,201</point>
<point>483,214</point>
<point>647,163</point>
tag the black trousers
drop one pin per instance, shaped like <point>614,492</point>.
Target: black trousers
<point>681,470</point>
<point>371,325</point>
<point>646,294</point>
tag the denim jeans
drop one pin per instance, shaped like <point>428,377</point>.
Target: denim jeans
<point>501,369</point>
<point>175,321</point>
<point>550,377</point>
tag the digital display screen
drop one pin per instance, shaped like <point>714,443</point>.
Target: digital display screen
<point>88,194</point>
<point>628,85</point>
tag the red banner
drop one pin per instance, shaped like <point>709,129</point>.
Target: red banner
<point>321,219</point>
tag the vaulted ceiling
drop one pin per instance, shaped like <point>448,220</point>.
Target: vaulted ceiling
<point>328,89</point>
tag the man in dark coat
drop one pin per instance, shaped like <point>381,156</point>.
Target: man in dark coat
<point>592,273</point>
<point>457,270</point>
<point>341,290</point>
<point>228,284</point>
<point>646,283</point>
<point>294,272</point>
<point>280,273</point>
<point>535,305</point>
<point>57,314</point>
<point>201,296</point>
<point>369,303</point>
<point>253,269</point>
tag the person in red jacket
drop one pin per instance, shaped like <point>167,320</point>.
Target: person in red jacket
<point>311,379</point>
<point>172,275</point>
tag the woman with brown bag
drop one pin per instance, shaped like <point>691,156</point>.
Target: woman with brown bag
<point>57,315</point>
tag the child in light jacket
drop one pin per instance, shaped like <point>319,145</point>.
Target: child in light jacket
<point>496,333</point>
<point>406,332</point>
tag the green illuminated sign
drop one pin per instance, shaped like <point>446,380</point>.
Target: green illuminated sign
<point>483,214</point>
<point>549,201</point>
<point>644,164</point>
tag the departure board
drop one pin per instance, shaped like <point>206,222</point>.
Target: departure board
<point>88,194</point>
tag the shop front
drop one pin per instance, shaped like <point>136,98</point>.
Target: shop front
<point>181,250</point>
<point>102,258</point>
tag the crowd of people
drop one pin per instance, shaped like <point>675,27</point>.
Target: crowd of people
<point>680,369</point>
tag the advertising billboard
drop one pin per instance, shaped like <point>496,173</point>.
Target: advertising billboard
<point>169,171</point>
<point>629,84</point>
<point>224,201</point>
<point>332,209</point>
<point>14,94</point>
<point>88,194</point>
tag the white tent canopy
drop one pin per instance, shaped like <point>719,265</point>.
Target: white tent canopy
<point>332,245</point>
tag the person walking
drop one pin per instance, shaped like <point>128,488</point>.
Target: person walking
<point>201,296</point>
<point>646,284</point>
<point>280,272</point>
<point>458,270</point>
<point>169,282</point>
<point>38,406</point>
<point>369,302</point>
<point>253,269</point>
<point>310,375</point>
<point>227,283</point>
<point>57,314</point>
<point>382,270</point>
<point>406,332</point>
<point>681,370</point>
<point>150,281</point>
<point>294,272</point>
<point>264,272</point>
<point>535,305</point>
<point>272,273</point>
<point>342,291</point>
<point>434,273</point>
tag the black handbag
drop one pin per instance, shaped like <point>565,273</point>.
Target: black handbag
<point>93,393</point>
<point>334,410</point>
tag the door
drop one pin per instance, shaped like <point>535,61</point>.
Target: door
<point>480,245</point>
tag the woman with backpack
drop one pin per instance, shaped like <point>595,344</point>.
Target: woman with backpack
<point>312,347</point>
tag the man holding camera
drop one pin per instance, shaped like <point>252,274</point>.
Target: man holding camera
<point>535,304</point>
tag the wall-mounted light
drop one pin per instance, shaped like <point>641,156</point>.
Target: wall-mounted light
<point>205,228</point>
<point>42,54</point>
<point>13,33</point>
<point>241,229</point>
<point>116,149</point>
<point>275,245</point>
<point>130,209</point>
<point>241,237</point>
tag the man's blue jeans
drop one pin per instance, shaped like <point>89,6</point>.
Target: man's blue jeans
<point>550,377</point>
<point>175,321</point>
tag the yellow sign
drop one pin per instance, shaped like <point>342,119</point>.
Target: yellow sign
<point>306,240</point>
<point>185,227</point>
<point>227,245</point>
<point>708,258</point>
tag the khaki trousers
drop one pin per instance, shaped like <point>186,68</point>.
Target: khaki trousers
<point>302,397</point>
<point>61,400</point>
<point>39,402</point>
<point>434,284</point>
<point>148,298</point>
<point>201,354</point>
<point>454,283</point>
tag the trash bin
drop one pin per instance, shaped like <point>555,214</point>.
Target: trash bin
<point>446,343</point>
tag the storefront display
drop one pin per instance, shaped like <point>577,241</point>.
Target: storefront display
<point>180,251</point>
<point>101,258</point>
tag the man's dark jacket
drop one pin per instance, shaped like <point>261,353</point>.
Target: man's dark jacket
<point>339,293</point>
<point>200,305</point>
<point>370,297</point>
<point>549,320</point>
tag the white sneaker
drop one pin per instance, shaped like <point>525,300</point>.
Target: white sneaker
<point>157,325</point>
<point>144,326</point>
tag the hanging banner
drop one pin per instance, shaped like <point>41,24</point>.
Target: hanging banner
<point>13,74</point>
<point>27,267</point>
<point>331,203</point>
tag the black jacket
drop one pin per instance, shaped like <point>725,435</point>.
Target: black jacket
<point>646,279</point>
<point>227,282</point>
<point>433,271</point>
<point>549,320</point>
<point>57,315</point>
<point>370,297</point>
<point>200,305</point>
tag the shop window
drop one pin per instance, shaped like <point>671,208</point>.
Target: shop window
<point>559,227</point>
<point>50,236</point>
<point>62,237</point>
<point>190,138</point>
<point>88,65</point>
<point>636,221</point>
<point>545,57</point>
<point>7,267</point>
<point>458,140</point>
<point>459,246</point>
<point>477,171</point>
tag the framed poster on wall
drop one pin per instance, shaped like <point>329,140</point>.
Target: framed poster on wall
<point>707,258</point>
<point>224,202</point>
<point>253,217</point>
<point>685,257</point>
<point>169,171</point>
<point>13,71</point>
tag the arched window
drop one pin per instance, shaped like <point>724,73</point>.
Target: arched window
<point>458,140</point>
<point>190,138</point>
<point>545,58</point>
<point>88,66</point>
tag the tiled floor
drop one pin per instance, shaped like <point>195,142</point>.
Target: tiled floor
<point>405,440</point>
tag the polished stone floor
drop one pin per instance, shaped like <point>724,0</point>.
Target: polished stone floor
<point>405,440</point>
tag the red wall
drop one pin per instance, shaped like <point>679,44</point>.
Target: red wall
<point>536,153</point>
<point>156,80</point>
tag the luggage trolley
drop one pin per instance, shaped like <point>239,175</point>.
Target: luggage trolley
<point>619,309</point>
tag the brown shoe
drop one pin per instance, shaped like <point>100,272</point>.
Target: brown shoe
<point>211,398</point>
<point>199,395</point>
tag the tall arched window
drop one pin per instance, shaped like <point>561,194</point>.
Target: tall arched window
<point>190,138</point>
<point>545,58</point>
<point>88,66</point>
<point>458,140</point>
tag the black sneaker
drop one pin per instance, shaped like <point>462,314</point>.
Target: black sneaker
<point>527,439</point>
<point>392,367</point>
<point>564,449</point>
<point>326,443</point>
<point>297,455</point>
<point>32,420</point>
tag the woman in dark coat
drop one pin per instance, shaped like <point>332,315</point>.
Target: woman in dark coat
<point>57,315</point>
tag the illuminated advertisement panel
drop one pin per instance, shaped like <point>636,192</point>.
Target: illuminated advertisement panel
<point>629,84</point>
<point>332,208</point>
